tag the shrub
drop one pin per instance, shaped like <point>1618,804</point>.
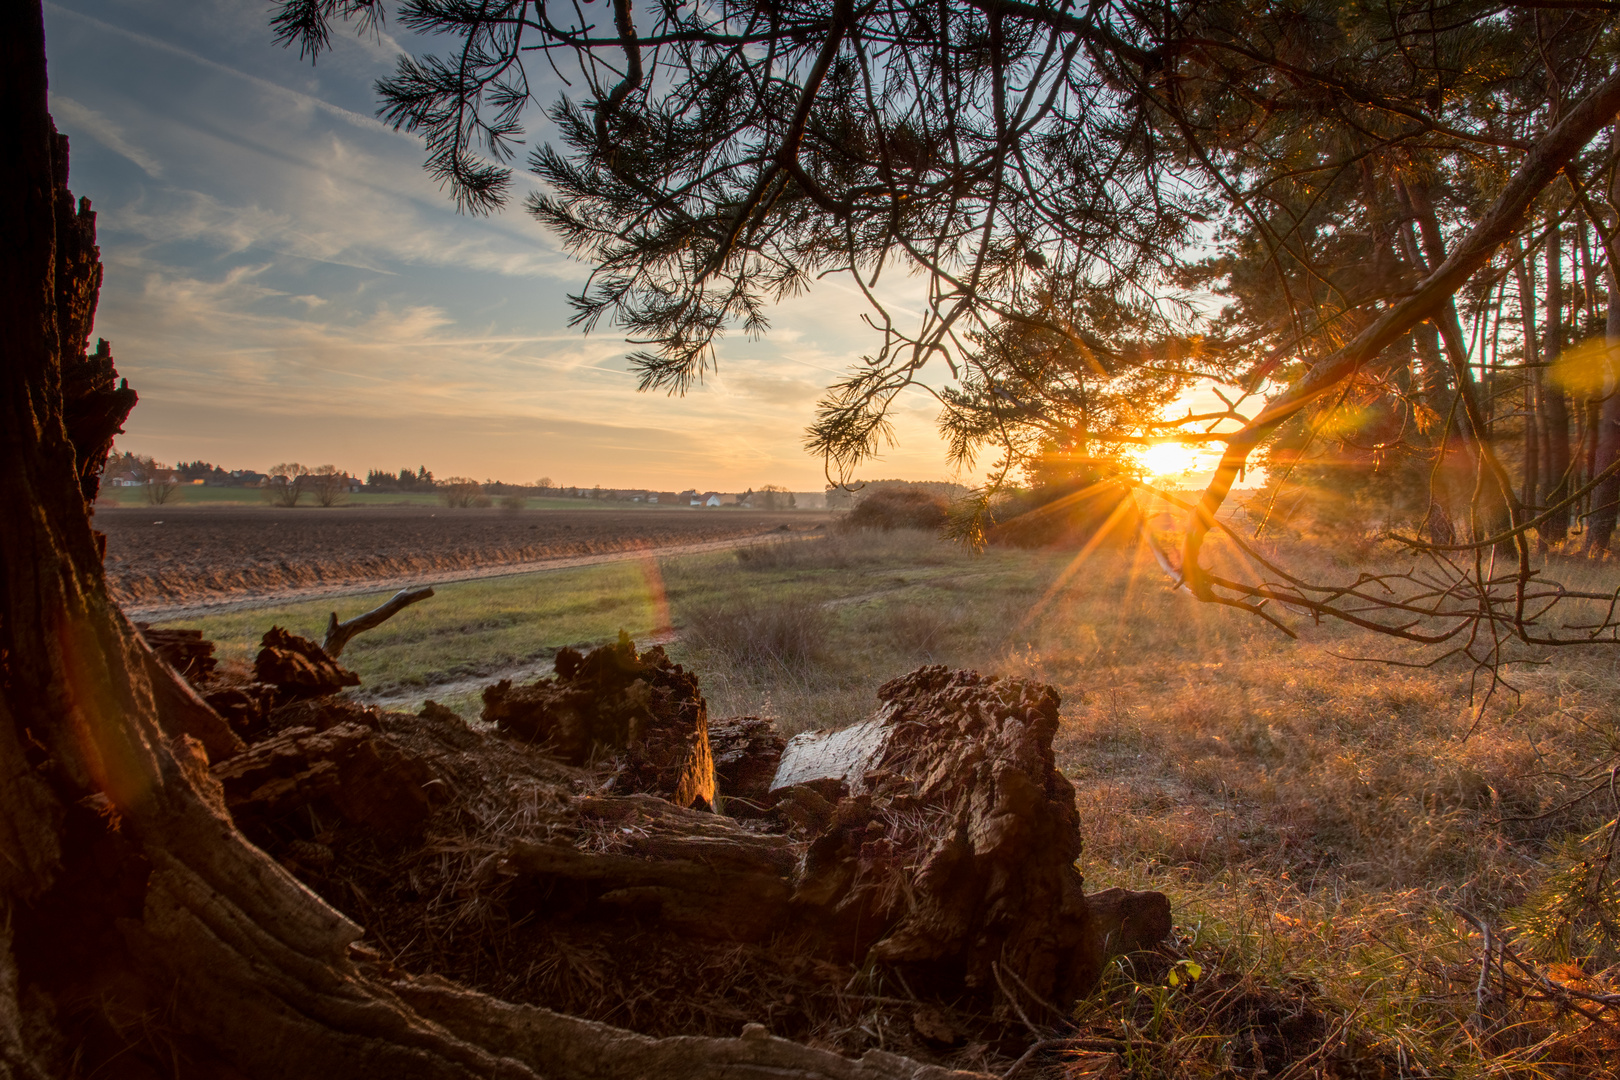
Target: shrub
<point>896,508</point>
<point>462,492</point>
<point>513,503</point>
<point>328,484</point>
<point>768,635</point>
<point>286,484</point>
<point>159,492</point>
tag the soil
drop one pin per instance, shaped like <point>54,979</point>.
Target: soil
<point>161,558</point>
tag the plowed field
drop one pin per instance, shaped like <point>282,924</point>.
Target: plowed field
<point>164,557</point>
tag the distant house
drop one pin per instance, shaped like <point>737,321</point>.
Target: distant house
<point>691,497</point>
<point>711,498</point>
<point>354,484</point>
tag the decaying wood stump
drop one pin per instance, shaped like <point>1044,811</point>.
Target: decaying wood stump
<point>747,750</point>
<point>936,839</point>
<point>637,707</point>
<point>953,845</point>
<point>343,773</point>
<point>298,667</point>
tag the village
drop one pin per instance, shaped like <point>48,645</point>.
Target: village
<point>129,471</point>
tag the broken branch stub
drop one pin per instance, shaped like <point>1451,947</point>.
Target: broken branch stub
<point>338,634</point>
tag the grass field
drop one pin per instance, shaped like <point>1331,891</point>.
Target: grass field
<point>1320,824</point>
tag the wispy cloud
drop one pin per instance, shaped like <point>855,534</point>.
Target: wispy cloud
<point>284,282</point>
<point>104,131</point>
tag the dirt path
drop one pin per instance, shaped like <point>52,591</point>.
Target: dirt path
<point>172,612</point>
<point>525,671</point>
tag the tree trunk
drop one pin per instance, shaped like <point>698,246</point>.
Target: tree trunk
<point>1555,403</point>
<point>1604,496</point>
<point>137,925</point>
<point>1490,513</point>
<point>1525,272</point>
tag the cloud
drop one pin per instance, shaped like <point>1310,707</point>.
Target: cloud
<point>104,131</point>
<point>284,282</point>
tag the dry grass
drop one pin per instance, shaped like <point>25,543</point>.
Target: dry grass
<point>772,638</point>
<point>1326,827</point>
<point>1321,825</point>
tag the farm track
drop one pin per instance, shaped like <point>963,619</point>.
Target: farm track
<point>192,562</point>
<point>534,667</point>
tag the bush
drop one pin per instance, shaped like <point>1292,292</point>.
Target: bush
<point>159,492</point>
<point>461,492</point>
<point>286,484</point>
<point>328,484</point>
<point>895,508</point>
<point>843,550</point>
<point>772,635</point>
<point>513,503</point>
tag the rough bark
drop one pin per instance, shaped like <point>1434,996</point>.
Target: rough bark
<point>746,752</point>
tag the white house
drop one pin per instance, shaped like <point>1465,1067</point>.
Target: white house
<point>711,499</point>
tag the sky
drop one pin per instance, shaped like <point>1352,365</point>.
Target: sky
<point>284,283</point>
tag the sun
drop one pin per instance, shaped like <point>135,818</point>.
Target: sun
<point>1168,459</point>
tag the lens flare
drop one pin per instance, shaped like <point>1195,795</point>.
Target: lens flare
<point>1168,459</point>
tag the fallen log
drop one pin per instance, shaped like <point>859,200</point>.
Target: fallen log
<point>339,634</point>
